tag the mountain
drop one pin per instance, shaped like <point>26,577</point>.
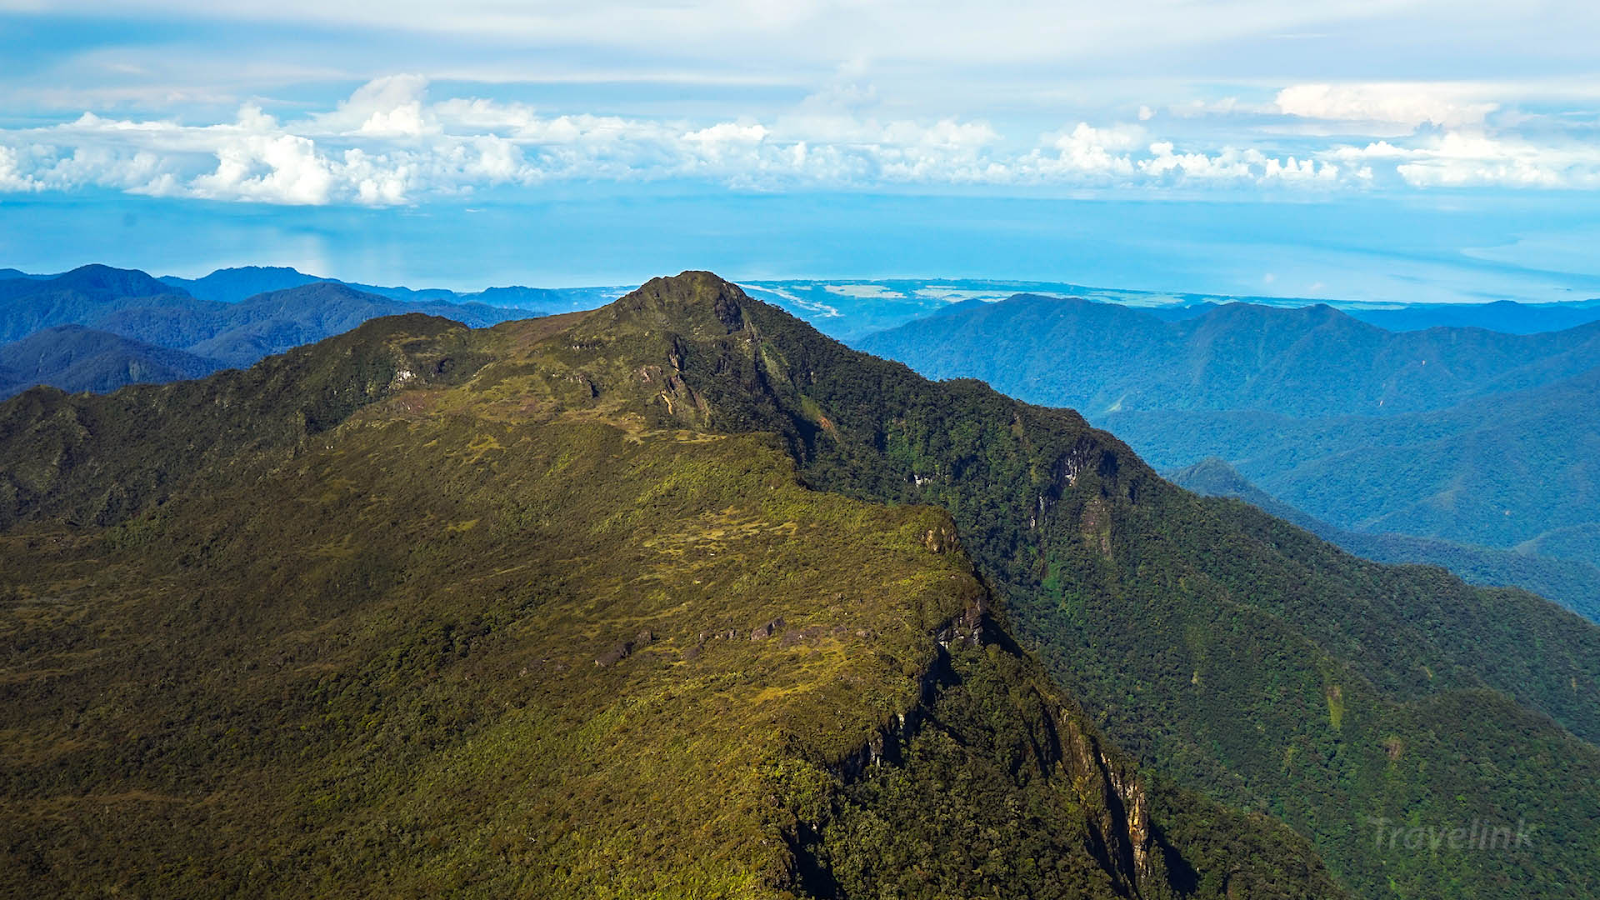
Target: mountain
<point>680,597</point>
<point>1460,435</point>
<point>1502,315</point>
<point>233,285</point>
<point>1573,584</point>
<point>237,284</point>
<point>78,297</point>
<point>1501,471</point>
<point>121,302</point>
<point>75,358</point>
<point>241,333</point>
<point>1577,542</point>
<point>1311,361</point>
<point>423,610</point>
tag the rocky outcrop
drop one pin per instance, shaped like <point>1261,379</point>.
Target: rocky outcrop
<point>1065,746</point>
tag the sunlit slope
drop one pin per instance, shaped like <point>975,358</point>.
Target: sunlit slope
<point>421,610</point>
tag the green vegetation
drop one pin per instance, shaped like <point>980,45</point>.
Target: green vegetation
<point>423,610</point>
<point>441,612</point>
<point>1209,638</point>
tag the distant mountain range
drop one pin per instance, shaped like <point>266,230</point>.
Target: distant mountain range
<point>681,598</point>
<point>1518,469</point>
<point>236,284</point>
<point>1102,358</point>
<point>75,358</point>
<point>135,328</point>
<point>851,309</point>
<point>1459,434</point>
<point>1573,584</point>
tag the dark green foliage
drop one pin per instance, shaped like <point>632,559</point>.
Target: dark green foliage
<point>1212,640</point>
<point>1002,796</point>
<point>97,458</point>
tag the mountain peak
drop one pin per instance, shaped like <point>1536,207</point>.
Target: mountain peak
<point>105,281</point>
<point>696,300</point>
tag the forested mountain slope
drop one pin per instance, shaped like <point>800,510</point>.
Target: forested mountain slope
<point>423,610</point>
<point>75,358</point>
<point>1573,584</point>
<point>1101,358</point>
<point>405,532</point>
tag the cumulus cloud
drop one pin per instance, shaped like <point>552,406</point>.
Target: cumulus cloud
<point>1408,105</point>
<point>1120,154</point>
<point>1457,159</point>
<point>389,143</point>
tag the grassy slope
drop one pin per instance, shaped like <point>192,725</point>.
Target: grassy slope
<point>340,633</point>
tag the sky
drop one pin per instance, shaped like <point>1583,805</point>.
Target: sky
<point>1351,149</point>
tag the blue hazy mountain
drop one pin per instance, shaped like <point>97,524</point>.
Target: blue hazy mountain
<point>1103,358</point>
<point>243,332</point>
<point>235,284</point>
<point>1516,469</point>
<point>75,358</point>
<point>132,305</point>
<point>78,297</point>
<point>1503,315</point>
<point>1569,582</point>
<point>850,309</point>
<point>8,274</point>
<point>1458,434</point>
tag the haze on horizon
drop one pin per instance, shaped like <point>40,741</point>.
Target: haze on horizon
<point>1357,150</point>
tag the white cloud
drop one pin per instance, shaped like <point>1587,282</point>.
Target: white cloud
<point>390,144</point>
<point>11,177</point>
<point>1457,159</point>
<point>1403,104</point>
<point>280,168</point>
<point>1086,150</point>
<point>391,106</point>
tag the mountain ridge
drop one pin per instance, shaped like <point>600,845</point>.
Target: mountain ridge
<point>1571,583</point>
<point>704,705</point>
<point>599,493</point>
<point>1235,356</point>
<point>75,358</point>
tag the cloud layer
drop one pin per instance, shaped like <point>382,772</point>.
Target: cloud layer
<point>391,142</point>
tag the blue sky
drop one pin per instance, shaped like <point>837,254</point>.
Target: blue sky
<point>1360,149</point>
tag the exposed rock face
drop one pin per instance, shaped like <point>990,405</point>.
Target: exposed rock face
<point>1112,796</point>
<point>766,630</point>
<point>614,655</point>
<point>942,539</point>
<point>1122,821</point>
